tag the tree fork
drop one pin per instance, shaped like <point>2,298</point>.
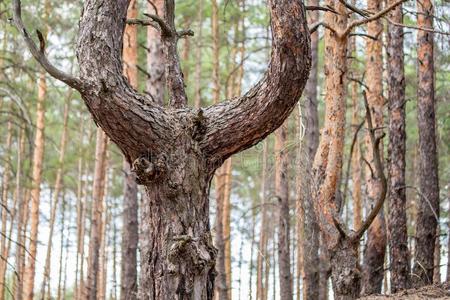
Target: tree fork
<point>194,143</point>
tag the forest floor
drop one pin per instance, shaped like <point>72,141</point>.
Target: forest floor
<point>441,291</point>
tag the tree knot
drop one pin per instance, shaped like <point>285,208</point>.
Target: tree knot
<point>198,128</point>
<point>195,252</point>
<point>148,168</point>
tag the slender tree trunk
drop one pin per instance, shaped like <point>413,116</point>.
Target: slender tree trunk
<point>155,56</point>
<point>374,253</point>
<point>130,234</point>
<point>38,156</point>
<point>84,210</point>
<point>262,251</point>
<point>227,179</point>
<point>55,200</point>
<point>428,208</point>
<point>21,205</point>
<point>198,57</point>
<point>79,218</point>
<point>397,220</point>
<point>252,250</point>
<point>437,257</point>
<point>102,272</point>
<point>92,284</point>
<point>448,234</point>
<point>310,238</point>
<point>61,253</point>
<point>4,211</point>
<point>282,194</point>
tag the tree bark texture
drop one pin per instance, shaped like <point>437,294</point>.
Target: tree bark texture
<point>130,235</point>
<point>174,152</point>
<point>397,220</point>
<point>155,56</point>
<point>375,250</point>
<point>327,166</point>
<point>428,208</point>
<point>310,241</point>
<point>282,194</point>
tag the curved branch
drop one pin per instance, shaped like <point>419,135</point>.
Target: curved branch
<point>375,141</point>
<point>374,17</point>
<point>39,54</point>
<point>233,126</point>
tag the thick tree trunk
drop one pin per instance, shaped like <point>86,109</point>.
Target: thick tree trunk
<point>38,157</point>
<point>130,234</point>
<point>92,284</point>
<point>428,209</point>
<point>397,221</point>
<point>282,194</point>
<point>176,151</point>
<point>374,253</point>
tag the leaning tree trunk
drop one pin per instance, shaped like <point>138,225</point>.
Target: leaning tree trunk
<point>130,235</point>
<point>373,269</point>
<point>175,152</point>
<point>397,221</point>
<point>428,209</point>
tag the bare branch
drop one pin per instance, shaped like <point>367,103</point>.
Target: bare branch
<point>375,141</point>
<point>360,12</point>
<point>163,26</point>
<point>374,17</point>
<point>417,28</point>
<point>142,23</point>
<point>316,26</point>
<point>312,7</point>
<point>185,33</point>
<point>39,54</point>
<point>364,35</point>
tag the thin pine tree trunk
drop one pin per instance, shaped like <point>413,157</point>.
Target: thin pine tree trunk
<point>130,233</point>
<point>374,253</point>
<point>61,252</point>
<point>262,251</point>
<point>5,208</point>
<point>397,219</point>
<point>45,288</point>
<point>79,208</point>
<point>21,204</point>
<point>92,284</point>
<point>198,57</point>
<point>428,208</point>
<point>155,55</point>
<point>282,194</point>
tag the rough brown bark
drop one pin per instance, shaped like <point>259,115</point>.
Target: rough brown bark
<point>397,220</point>
<point>375,250</point>
<point>155,56</point>
<point>310,240</point>
<point>428,208</point>
<point>176,151</point>
<point>92,285</point>
<point>130,234</point>
<point>282,194</point>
